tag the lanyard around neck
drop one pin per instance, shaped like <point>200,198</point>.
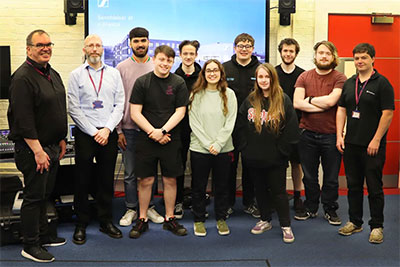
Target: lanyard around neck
<point>39,71</point>
<point>358,94</point>
<point>100,83</point>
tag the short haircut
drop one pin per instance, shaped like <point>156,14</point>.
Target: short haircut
<point>29,37</point>
<point>91,36</point>
<point>243,37</point>
<point>365,48</point>
<point>138,32</point>
<point>193,43</point>
<point>331,48</point>
<point>289,41</point>
<point>165,49</point>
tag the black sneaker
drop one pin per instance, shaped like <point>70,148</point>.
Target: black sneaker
<point>173,226</point>
<point>53,241</point>
<point>140,227</point>
<point>178,211</point>
<point>304,215</point>
<point>332,217</point>
<point>253,211</point>
<point>37,253</point>
<point>298,204</point>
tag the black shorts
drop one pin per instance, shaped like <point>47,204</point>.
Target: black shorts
<point>294,155</point>
<point>148,153</point>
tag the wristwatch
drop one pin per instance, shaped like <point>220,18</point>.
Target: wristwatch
<point>164,132</point>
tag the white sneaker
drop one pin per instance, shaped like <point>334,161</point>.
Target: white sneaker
<point>153,215</point>
<point>129,216</point>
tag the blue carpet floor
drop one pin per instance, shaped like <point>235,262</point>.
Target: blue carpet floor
<point>317,244</point>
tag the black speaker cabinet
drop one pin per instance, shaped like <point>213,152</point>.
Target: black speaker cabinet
<point>287,6</point>
<point>5,71</point>
<point>74,6</point>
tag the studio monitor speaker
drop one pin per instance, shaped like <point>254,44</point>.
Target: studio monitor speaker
<point>74,6</point>
<point>287,6</point>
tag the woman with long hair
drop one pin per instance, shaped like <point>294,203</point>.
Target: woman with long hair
<point>267,126</point>
<point>212,116</point>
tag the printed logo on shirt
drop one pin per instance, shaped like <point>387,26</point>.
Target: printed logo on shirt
<point>230,79</point>
<point>169,90</point>
<point>253,78</point>
<point>251,115</point>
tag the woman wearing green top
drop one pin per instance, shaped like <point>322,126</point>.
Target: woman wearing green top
<point>212,115</point>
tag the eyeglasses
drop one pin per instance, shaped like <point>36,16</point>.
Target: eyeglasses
<point>41,46</point>
<point>208,71</point>
<point>91,46</point>
<point>244,46</point>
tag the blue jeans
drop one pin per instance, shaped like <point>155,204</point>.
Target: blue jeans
<point>316,148</point>
<point>130,180</point>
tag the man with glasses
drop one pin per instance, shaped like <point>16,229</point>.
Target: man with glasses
<point>96,103</point>
<point>240,75</point>
<point>37,118</point>
<point>132,68</point>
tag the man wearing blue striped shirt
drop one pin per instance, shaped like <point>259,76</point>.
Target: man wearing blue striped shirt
<point>96,104</point>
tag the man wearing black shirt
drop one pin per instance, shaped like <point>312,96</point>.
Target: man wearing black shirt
<point>367,104</point>
<point>240,75</point>
<point>158,104</point>
<point>189,70</point>
<point>38,122</point>
<point>288,73</point>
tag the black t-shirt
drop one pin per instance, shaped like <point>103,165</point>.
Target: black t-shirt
<point>377,95</point>
<point>287,82</point>
<point>160,97</point>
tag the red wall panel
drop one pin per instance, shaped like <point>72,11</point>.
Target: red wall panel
<point>346,31</point>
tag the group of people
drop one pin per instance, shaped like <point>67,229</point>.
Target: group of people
<point>268,115</point>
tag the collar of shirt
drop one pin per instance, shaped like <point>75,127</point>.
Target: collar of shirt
<point>45,70</point>
<point>86,65</point>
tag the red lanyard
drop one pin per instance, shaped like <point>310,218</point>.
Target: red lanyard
<point>101,81</point>
<point>40,72</point>
<point>358,95</point>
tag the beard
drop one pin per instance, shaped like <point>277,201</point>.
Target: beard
<point>140,54</point>
<point>94,59</point>
<point>287,63</point>
<point>320,66</point>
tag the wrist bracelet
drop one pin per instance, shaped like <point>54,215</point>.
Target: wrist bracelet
<point>309,100</point>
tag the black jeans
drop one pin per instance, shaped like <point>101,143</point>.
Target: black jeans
<point>202,164</point>
<point>315,148</point>
<point>359,165</point>
<point>247,183</point>
<point>271,180</point>
<point>38,188</point>
<point>180,180</point>
<point>86,148</point>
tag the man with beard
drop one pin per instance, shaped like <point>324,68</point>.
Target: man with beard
<point>189,70</point>
<point>96,104</point>
<point>37,117</point>
<point>240,75</point>
<point>316,95</point>
<point>131,69</point>
<point>288,73</point>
